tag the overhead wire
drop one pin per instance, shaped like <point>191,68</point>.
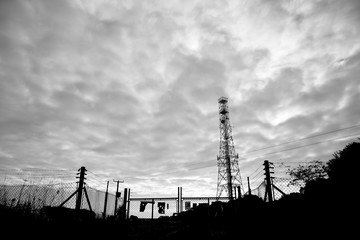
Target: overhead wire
<point>37,175</point>
<point>255,171</point>
<point>63,173</point>
<point>329,140</point>
<point>284,150</point>
<point>301,139</point>
<point>256,177</point>
<point>97,177</point>
<point>255,180</point>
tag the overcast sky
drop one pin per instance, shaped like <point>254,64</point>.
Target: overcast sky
<point>129,89</point>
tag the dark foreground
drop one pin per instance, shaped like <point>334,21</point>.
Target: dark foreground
<point>248,218</point>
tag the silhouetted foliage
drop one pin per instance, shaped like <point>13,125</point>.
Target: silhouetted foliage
<point>344,166</point>
<point>67,214</point>
<point>304,174</point>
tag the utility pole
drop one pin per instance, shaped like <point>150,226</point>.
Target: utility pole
<point>82,173</point>
<point>79,191</point>
<point>106,197</point>
<point>117,194</point>
<point>269,191</point>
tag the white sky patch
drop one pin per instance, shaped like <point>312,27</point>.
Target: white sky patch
<point>5,154</point>
<point>281,115</point>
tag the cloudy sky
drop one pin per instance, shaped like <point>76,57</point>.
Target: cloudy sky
<point>129,88</point>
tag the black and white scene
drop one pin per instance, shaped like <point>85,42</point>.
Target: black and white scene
<point>179,119</point>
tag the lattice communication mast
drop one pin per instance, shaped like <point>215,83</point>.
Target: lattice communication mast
<point>228,167</point>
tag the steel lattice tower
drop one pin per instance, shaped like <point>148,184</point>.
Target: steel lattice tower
<point>227,160</point>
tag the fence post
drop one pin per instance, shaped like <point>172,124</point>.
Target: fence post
<point>116,196</point>
<point>125,202</point>
<point>268,180</point>
<point>178,201</point>
<point>208,208</point>
<point>249,189</point>
<point>80,188</point>
<point>181,205</point>
<point>106,197</point>
<point>152,209</point>
<point>128,204</point>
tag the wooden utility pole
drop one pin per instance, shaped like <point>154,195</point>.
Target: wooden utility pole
<point>106,197</point>
<point>269,191</point>
<point>117,194</point>
<point>82,173</point>
<point>79,191</point>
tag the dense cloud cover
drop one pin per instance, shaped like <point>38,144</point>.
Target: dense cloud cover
<point>129,89</point>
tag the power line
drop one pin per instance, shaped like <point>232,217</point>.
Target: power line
<point>97,177</point>
<point>256,180</point>
<point>296,140</point>
<point>255,171</point>
<point>256,175</point>
<point>357,134</point>
<point>301,139</point>
<point>329,140</point>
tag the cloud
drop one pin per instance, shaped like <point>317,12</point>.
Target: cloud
<point>130,88</point>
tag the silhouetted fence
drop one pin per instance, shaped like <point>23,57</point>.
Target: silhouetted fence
<point>282,186</point>
<point>38,196</point>
<point>97,200</point>
<point>258,191</point>
<point>31,196</point>
<point>277,186</point>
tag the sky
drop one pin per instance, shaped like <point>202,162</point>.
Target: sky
<point>129,88</point>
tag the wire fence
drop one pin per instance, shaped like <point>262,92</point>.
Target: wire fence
<point>282,186</point>
<point>280,183</point>
<point>37,196</point>
<point>258,191</point>
<point>97,201</point>
<point>35,188</point>
<point>32,187</point>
